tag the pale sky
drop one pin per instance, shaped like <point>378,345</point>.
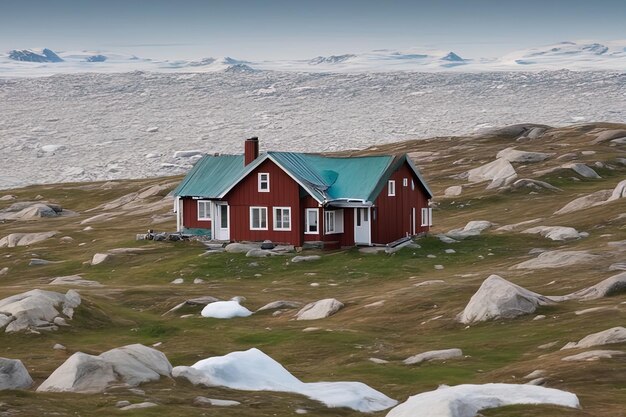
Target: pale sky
<point>294,29</point>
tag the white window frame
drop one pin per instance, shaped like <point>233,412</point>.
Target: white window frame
<point>307,224</point>
<point>264,181</point>
<point>277,216</point>
<point>405,182</point>
<point>337,216</point>
<point>252,209</point>
<point>391,188</point>
<point>427,216</point>
<point>207,210</point>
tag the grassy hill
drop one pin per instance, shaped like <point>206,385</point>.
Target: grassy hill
<point>386,316</point>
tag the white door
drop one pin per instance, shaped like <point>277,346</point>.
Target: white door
<point>222,221</point>
<point>362,228</point>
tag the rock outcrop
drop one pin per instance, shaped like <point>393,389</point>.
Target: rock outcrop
<point>558,233</point>
<point>557,259</point>
<point>13,374</point>
<point>606,337</point>
<point>434,355</point>
<point>36,310</point>
<point>473,228</point>
<point>593,355</point>
<point>513,155</point>
<point>319,309</point>
<point>584,202</point>
<point>131,365</point>
<point>498,298</point>
<point>24,239</point>
<point>500,172</point>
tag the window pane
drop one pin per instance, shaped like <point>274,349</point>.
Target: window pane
<point>201,210</point>
<point>224,216</point>
<point>365,215</point>
<point>312,220</point>
<point>263,218</point>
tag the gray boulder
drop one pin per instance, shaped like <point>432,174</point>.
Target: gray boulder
<point>584,202</point>
<point>240,247</point>
<point>319,309</point>
<point>558,233</point>
<point>131,365</point>
<point>81,373</point>
<point>619,191</point>
<point>500,172</point>
<point>434,355</point>
<point>582,170</point>
<point>473,228</point>
<point>453,191</point>
<point>13,374</point>
<point>610,286</point>
<point>557,259</point>
<point>282,304</point>
<point>533,184</point>
<point>513,155</point>
<point>36,309</point>
<point>593,355</point>
<point>606,337</point>
<point>609,135</point>
<point>24,239</point>
<point>74,280</point>
<point>498,298</point>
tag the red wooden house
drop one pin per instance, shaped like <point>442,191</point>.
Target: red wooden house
<point>295,198</point>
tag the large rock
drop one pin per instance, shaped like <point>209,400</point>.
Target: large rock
<point>468,400</point>
<point>593,355</point>
<point>513,155</point>
<point>240,247</point>
<point>533,185</point>
<point>606,337</point>
<point>100,258</point>
<point>557,259</point>
<point>500,172</point>
<point>453,191</point>
<point>80,373</point>
<point>74,280</point>
<point>24,239</point>
<point>498,298</point>
<point>610,286</point>
<point>37,309</point>
<point>30,210</point>
<point>198,301</point>
<point>517,226</point>
<point>618,192</point>
<point>582,170</point>
<point>473,228</point>
<point>281,304</point>
<point>558,233</point>
<point>584,202</point>
<point>434,355</point>
<point>608,135</point>
<point>307,258</point>
<point>13,374</point>
<point>319,309</point>
<point>132,365</point>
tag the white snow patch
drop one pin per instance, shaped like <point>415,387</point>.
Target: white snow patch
<point>253,370</point>
<point>225,310</point>
<point>467,400</point>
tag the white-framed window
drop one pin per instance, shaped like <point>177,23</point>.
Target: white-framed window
<point>405,182</point>
<point>391,188</point>
<point>264,182</point>
<point>204,210</point>
<point>258,218</point>
<point>282,218</point>
<point>427,217</point>
<point>311,221</point>
<point>333,221</point>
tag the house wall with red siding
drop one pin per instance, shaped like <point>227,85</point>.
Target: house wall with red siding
<point>393,218</point>
<point>190,215</point>
<point>284,192</point>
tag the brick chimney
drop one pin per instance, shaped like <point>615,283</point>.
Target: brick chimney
<point>251,150</point>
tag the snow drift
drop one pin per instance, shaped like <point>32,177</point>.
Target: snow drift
<point>468,400</point>
<point>253,370</point>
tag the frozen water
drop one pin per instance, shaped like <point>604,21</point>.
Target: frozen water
<point>100,122</point>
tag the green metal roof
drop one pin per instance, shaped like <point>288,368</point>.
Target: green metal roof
<point>210,176</point>
<point>326,179</point>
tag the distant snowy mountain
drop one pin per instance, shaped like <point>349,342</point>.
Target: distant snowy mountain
<point>30,55</point>
<point>581,56</point>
